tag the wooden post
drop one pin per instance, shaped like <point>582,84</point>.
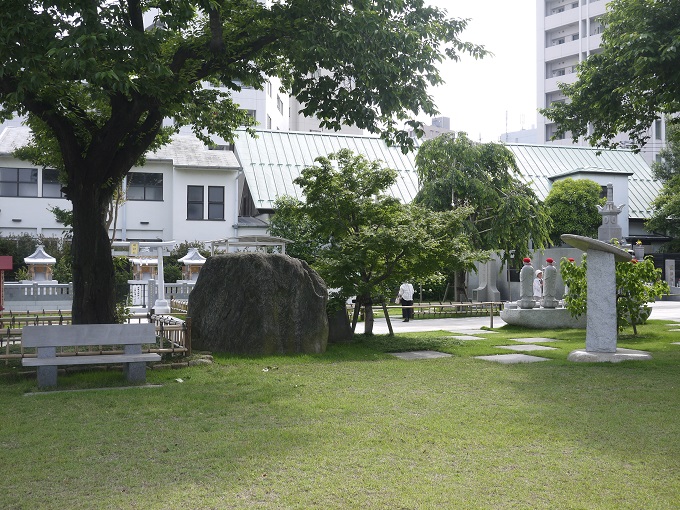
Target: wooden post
<point>357,307</point>
<point>187,335</point>
<point>491,315</point>
<point>387,318</point>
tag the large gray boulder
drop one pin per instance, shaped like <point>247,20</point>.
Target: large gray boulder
<point>255,303</point>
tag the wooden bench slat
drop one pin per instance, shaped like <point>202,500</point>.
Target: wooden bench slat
<point>76,335</point>
<point>91,360</point>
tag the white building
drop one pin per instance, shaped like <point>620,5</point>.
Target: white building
<point>568,32</point>
<point>188,192</point>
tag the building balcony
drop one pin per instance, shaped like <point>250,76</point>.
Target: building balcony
<point>568,17</point>
<point>558,51</point>
<point>551,83</point>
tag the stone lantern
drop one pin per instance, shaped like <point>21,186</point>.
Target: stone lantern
<point>40,265</point>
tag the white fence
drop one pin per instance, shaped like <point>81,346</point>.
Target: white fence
<point>59,296</point>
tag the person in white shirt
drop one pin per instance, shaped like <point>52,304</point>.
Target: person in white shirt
<point>406,297</point>
<point>538,285</point>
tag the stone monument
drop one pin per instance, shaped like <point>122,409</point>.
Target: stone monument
<point>487,290</point>
<point>601,323</point>
<point>250,303</point>
<point>549,285</point>
<point>526,286</point>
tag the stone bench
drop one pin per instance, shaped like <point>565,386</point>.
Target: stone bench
<point>46,339</point>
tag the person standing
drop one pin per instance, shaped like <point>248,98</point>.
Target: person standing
<point>406,297</point>
<point>538,286</point>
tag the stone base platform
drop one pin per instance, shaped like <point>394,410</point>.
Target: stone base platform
<point>581,355</point>
<point>542,318</point>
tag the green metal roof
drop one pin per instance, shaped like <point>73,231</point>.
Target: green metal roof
<point>542,164</point>
<point>273,159</point>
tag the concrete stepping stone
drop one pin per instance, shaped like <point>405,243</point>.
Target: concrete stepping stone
<point>466,337</point>
<point>675,343</point>
<point>480,332</point>
<point>420,355</point>
<point>508,359</point>
<point>534,340</point>
<point>527,347</point>
<point>674,329</point>
<point>621,354</point>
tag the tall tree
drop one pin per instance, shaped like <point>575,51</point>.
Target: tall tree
<point>665,216</point>
<point>371,242</point>
<point>572,205</point>
<point>98,83</point>
<point>505,212</point>
<point>631,82</point>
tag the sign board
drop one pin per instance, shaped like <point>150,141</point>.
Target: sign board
<point>133,250</point>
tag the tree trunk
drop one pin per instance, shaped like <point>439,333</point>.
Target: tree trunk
<point>368,315</point>
<point>93,275</point>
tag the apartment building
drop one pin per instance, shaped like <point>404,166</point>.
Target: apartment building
<point>568,31</point>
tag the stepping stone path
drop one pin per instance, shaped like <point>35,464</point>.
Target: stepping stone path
<point>534,340</point>
<point>421,355</point>
<point>512,358</point>
<point>480,332</point>
<point>527,347</point>
<point>465,337</point>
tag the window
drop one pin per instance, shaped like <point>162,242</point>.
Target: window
<point>215,202</point>
<point>269,88</point>
<point>657,130</point>
<point>18,182</point>
<point>51,187</point>
<point>279,103</point>
<point>269,122</point>
<point>145,186</point>
<point>194,202</point>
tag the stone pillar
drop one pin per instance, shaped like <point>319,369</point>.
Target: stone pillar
<point>161,305</point>
<point>526,286</point>
<point>670,272</point>
<point>549,285</point>
<point>601,326</point>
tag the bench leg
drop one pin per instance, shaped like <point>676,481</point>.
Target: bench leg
<point>47,376</point>
<point>135,372</point>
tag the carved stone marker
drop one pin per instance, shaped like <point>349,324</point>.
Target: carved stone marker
<point>549,285</point>
<point>601,325</point>
<point>526,286</point>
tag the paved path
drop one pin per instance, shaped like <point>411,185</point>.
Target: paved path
<point>661,310</point>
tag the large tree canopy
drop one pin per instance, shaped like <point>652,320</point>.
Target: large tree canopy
<point>631,82</point>
<point>505,212</point>
<point>665,216</point>
<point>572,205</point>
<point>362,241</point>
<point>98,83</point>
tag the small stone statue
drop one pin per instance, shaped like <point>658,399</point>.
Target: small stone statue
<point>549,285</point>
<point>526,285</point>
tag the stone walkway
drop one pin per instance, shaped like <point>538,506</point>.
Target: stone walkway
<point>468,327</point>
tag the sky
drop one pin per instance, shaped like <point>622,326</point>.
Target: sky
<point>487,97</point>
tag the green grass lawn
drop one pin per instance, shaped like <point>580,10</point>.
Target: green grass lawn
<point>355,428</point>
